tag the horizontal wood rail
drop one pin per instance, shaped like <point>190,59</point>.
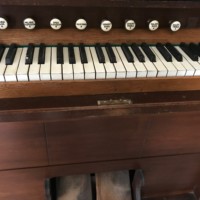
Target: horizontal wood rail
<point>92,36</point>
<point>92,87</point>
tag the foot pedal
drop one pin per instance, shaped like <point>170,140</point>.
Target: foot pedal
<point>113,186</point>
<point>116,185</point>
<point>76,187</point>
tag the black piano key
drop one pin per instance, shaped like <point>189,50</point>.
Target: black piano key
<point>110,53</point>
<point>83,54</point>
<point>194,48</point>
<point>29,54</point>
<point>167,56</point>
<point>99,53</point>
<point>186,49</point>
<point>174,52</point>
<point>60,59</point>
<point>138,52</point>
<point>71,54</point>
<point>41,56</point>
<point>148,52</point>
<point>2,49</point>
<point>11,54</point>
<point>127,52</point>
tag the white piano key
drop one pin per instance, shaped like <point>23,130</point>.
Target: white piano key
<point>99,67</point>
<point>182,69</point>
<point>189,70</point>
<point>11,70</point>
<point>172,71</point>
<point>45,69</point>
<point>119,66</point>
<point>34,69</point>
<point>56,69</point>
<point>109,67</point>
<point>162,71</point>
<point>140,68</point>
<point>180,66</point>
<point>89,67</point>
<point>68,73</point>
<point>78,66</point>
<point>22,71</point>
<point>131,71</point>
<point>192,67</point>
<point>151,69</point>
<point>3,65</point>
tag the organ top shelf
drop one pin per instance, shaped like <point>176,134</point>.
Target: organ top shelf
<point>83,3</point>
<point>106,3</point>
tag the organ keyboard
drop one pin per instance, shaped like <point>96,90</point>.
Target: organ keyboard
<point>71,62</point>
<point>99,100</point>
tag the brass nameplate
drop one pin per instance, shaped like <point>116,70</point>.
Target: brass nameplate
<point>114,102</point>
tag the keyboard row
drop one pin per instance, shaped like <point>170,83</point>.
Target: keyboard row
<point>35,63</point>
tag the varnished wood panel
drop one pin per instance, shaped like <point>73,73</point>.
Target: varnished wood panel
<point>104,3</point>
<point>91,87</point>
<point>172,133</point>
<point>185,196</point>
<point>22,145</point>
<point>92,36</point>
<point>25,184</point>
<point>127,136</point>
<point>84,107</point>
<point>170,175</point>
<point>83,3</point>
<point>89,140</point>
<point>117,12</point>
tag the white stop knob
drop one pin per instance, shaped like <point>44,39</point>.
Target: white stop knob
<point>175,26</point>
<point>130,25</point>
<point>55,24</point>
<point>81,24</point>
<point>153,25</point>
<point>106,25</point>
<point>29,23</point>
<point>3,23</point>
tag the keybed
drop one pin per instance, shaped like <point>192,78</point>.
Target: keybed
<point>108,61</point>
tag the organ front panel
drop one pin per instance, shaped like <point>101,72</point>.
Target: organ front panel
<point>99,100</point>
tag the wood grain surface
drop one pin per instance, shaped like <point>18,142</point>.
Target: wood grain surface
<point>111,138</point>
<point>171,134</point>
<point>90,140</point>
<point>22,145</point>
<point>104,3</point>
<point>92,36</point>
<point>23,184</point>
<point>184,196</point>
<point>79,107</point>
<point>92,87</point>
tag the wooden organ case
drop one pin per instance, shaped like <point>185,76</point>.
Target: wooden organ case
<point>57,128</point>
